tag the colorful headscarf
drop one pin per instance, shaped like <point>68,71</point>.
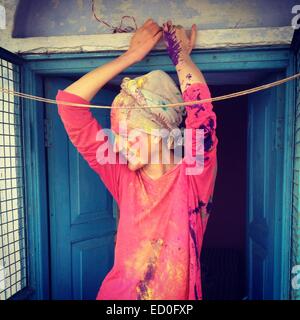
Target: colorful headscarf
<point>155,87</point>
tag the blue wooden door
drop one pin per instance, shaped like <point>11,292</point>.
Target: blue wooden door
<point>81,209</point>
<point>265,190</point>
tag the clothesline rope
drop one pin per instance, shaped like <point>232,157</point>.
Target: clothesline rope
<point>172,105</point>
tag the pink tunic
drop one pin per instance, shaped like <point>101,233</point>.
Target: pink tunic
<point>162,221</point>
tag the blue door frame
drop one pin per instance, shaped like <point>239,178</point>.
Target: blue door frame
<point>265,213</point>
<point>38,66</point>
<point>82,226</point>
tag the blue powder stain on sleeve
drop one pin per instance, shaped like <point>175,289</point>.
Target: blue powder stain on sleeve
<point>211,123</point>
<point>149,273</point>
<point>193,236</point>
<point>209,207</point>
<point>207,136</point>
<point>208,142</point>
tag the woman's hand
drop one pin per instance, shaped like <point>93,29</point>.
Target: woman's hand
<point>144,39</point>
<point>179,45</point>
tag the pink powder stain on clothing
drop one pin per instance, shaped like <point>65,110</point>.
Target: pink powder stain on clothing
<point>162,222</point>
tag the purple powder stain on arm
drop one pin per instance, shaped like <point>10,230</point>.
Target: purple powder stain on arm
<point>173,46</point>
<point>189,76</point>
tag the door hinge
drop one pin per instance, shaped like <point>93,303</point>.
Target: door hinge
<point>47,132</point>
<point>279,133</point>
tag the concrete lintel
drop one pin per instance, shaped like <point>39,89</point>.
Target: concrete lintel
<point>206,39</point>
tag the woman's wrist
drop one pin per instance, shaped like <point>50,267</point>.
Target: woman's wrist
<point>130,57</point>
<point>184,60</point>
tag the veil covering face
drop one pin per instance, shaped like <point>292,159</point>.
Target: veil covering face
<point>153,88</point>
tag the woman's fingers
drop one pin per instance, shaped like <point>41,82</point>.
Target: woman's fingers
<point>148,22</point>
<point>193,37</point>
<point>186,42</point>
<point>154,28</point>
<point>160,29</point>
<point>157,36</point>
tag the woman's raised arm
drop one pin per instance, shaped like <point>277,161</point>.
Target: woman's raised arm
<point>199,116</point>
<point>80,124</point>
<point>144,39</point>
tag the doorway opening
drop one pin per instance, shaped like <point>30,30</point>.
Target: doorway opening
<point>223,257</point>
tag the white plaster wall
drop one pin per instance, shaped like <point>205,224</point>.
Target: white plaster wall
<point>238,15</point>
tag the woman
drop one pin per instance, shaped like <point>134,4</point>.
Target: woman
<point>163,210</point>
